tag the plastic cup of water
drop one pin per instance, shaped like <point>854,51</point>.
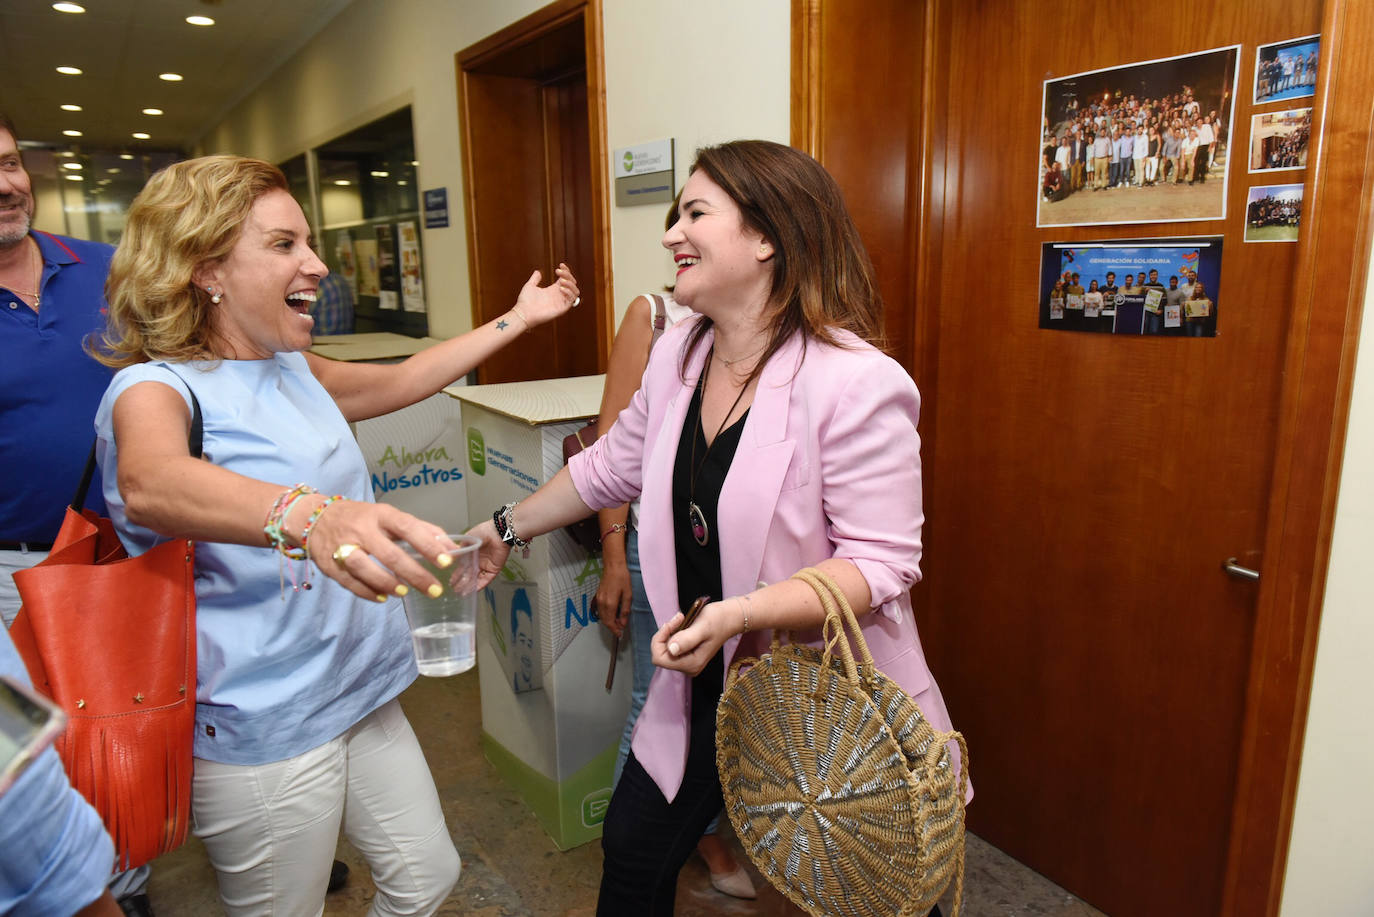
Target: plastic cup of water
<point>444,629</point>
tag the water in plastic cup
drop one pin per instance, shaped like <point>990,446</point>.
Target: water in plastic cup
<point>444,630</point>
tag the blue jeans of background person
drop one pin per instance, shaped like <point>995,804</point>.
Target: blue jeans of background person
<point>642,630</point>
<point>1154,323</point>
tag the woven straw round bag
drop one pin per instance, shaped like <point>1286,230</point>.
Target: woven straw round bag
<point>840,791</point>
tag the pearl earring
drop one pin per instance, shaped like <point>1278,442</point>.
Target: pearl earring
<point>215,298</point>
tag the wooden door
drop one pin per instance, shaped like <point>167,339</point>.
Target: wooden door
<point>1086,488</point>
<point>1083,490</point>
<point>535,180</point>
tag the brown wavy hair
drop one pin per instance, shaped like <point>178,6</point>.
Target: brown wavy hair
<point>822,276</point>
<point>188,215</point>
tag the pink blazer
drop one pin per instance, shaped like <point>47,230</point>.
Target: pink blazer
<point>828,465</point>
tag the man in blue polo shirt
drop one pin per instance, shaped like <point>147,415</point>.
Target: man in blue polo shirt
<point>51,298</point>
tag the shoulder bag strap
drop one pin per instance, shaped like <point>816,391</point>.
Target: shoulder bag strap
<point>660,319</point>
<point>195,441</point>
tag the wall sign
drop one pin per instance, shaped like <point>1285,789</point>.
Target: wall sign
<point>436,208</point>
<point>643,173</point>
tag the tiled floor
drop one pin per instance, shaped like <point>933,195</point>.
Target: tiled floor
<point>511,867</point>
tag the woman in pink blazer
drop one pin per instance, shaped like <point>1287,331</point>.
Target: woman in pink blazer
<point>768,435</point>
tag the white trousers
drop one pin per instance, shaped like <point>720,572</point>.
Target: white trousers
<point>271,829</point>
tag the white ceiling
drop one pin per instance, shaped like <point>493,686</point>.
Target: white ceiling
<point>122,46</point>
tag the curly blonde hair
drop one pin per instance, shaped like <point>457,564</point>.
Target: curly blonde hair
<point>188,216</point>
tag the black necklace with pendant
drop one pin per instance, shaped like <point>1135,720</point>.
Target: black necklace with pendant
<point>700,531</point>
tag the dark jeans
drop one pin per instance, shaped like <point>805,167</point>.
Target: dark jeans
<point>647,839</point>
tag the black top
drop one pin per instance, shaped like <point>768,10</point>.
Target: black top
<point>698,566</point>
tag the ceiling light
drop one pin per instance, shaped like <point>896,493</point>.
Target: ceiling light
<point>126,155</point>
<point>70,71</point>
<point>342,181</point>
<point>139,135</point>
<point>377,173</point>
<point>71,133</point>
<point>403,182</point>
<point>74,166</point>
<point>70,107</point>
<point>115,170</point>
<point>170,77</point>
<point>65,153</point>
<point>73,178</point>
<point>200,20</point>
<point>152,111</point>
<point>68,8</point>
<point>415,162</point>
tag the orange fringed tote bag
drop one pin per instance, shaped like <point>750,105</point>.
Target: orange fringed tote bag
<point>112,640</point>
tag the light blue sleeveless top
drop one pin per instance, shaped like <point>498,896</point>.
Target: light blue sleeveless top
<point>280,672</point>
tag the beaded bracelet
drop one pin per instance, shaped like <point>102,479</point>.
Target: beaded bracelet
<point>615,527</point>
<point>276,519</point>
<point>504,520</point>
<point>314,518</point>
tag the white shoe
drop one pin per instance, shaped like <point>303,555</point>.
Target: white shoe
<point>736,884</point>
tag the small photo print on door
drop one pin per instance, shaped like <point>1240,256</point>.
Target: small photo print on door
<point>1273,213</point>
<point>1286,69</point>
<point>1138,287</point>
<point>1278,139</point>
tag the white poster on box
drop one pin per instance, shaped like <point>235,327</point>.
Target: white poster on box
<point>415,459</point>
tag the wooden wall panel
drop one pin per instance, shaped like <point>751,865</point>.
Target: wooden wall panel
<point>862,125</point>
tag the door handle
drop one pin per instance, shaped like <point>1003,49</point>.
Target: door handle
<point>1239,572</point>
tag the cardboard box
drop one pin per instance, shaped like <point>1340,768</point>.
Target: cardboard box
<point>548,724</point>
<point>414,455</point>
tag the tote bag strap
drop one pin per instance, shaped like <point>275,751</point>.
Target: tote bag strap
<point>195,441</point>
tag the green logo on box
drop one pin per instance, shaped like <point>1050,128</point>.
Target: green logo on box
<point>629,161</point>
<point>594,806</point>
<point>477,451</point>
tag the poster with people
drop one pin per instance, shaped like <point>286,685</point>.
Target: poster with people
<point>1273,213</point>
<point>412,285</point>
<point>1286,69</point>
<point>1278,139</point>
<point>1140,287</point>
<point>388,278</point>
<point>1140,143</point>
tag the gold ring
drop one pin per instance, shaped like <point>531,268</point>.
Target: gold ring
<point>343,552</point>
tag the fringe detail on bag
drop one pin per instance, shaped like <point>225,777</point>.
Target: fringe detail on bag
<point>144,821</point>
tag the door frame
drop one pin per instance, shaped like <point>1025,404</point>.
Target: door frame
<point>526,31</point>
<point>1314,402</point>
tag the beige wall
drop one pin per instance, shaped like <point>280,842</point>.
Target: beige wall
<point>1331,853</point>
<point>670,73</point>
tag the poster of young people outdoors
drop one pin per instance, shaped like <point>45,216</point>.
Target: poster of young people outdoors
<point>1141,143</point>
<point>1273,213</point>
<point>1156,287</point>
<point>1286,69</point>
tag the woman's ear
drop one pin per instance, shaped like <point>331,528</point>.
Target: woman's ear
<point>765,252</point>
<point>206,277</point>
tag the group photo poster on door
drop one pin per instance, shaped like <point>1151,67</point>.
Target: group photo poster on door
<point>1146,142</point>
